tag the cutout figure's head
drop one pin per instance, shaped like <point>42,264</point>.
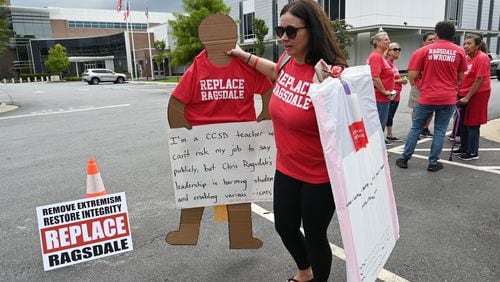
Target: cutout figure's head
<point>218,33</point>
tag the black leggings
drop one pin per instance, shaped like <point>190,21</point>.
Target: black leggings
<point>296,201</point>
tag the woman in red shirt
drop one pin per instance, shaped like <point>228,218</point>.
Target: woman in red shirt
<point>302,191</point>
<point>474,96</point>
<point>382,75</point>
<point>392,54</point>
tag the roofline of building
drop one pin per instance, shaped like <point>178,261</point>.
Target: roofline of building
<point>420,29</point>
<point>82,37</point>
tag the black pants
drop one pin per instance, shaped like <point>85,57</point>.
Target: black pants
<point>296,201</point>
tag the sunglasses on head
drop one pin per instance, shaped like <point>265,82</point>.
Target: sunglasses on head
<point>291,31</point>
<point>396,49</point>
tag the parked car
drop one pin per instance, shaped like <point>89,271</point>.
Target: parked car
<point>494,63</point>
<point>94,76</point>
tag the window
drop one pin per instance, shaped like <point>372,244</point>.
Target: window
<point>335,9</point>
<point>248,26</point>
<point>453,11</point>
<point>104,25</point>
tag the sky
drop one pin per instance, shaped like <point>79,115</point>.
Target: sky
<point>174,6</point>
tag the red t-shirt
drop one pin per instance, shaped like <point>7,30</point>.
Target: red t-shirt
<point>397,86</point>
<point>379,67</point>
<point>214,94</point>
<point>417,81</point>
<point>476,112</point>
<point>440,64</point>
<point>479,66</point>
<point>299,151</point>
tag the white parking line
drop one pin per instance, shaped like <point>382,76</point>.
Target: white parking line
<point>66,111</point>
<point>384,275</point>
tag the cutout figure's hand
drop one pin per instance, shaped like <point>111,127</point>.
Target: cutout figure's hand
<point>265,115</point>
<point>175,114</point>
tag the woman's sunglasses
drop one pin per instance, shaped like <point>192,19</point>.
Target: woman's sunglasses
<point>291,31</point>
<point>396,49</point>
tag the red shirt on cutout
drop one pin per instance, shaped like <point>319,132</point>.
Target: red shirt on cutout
<point>214,94</point>
<point>299,151</point>
<point>379,67</point>
<point>440,64</point>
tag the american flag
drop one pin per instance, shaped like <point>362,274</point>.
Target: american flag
<point>127,11</point>
<point>119,6</point>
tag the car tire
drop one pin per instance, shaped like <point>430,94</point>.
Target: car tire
<point>498,73</point>
<point>120,80</point>
<point>95,80</point>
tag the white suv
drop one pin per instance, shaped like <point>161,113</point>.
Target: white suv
<point>94,76</point>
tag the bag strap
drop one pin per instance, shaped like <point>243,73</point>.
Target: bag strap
<point>285,61</point>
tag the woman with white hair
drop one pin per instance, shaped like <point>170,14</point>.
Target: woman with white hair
<point>382,75</point>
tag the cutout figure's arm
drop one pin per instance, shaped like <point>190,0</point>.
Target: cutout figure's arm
<point>175,114</point>
<point>264,115</point>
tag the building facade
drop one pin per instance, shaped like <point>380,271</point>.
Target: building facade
<point>405,21</point>
<point>92,38</point>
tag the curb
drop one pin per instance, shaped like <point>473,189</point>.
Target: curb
<point>491,130</point>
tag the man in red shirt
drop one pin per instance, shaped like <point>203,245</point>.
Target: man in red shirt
<point>441,66</point>
<point>428,38</point>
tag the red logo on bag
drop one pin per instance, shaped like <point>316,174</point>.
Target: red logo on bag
<point>358,135</point>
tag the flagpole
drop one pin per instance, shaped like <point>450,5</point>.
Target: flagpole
<point>149,43</point>
<point>133,44</point>
<point>128,35</point>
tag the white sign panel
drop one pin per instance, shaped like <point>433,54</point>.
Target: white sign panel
<point>82,230</point>
<point>356,158</point>
<point>225,163</point>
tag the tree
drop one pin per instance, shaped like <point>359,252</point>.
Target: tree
<point>344,38</point>
<point>5,31</point>
<point>185,28</point>
<point>57,61</point>
<point>260,30</point>
<point>160,46</point>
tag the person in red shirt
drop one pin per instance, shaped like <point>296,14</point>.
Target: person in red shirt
<point>474,95</point>
<point>441,65</point>
<point>217,89</point>
<point>391,55</point>
<point>382,75</point>
<point>302,191</point>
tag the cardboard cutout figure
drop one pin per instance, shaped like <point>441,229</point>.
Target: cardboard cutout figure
<point>216,89</point>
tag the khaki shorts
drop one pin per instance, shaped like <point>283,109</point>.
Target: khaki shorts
<point>414,94</point>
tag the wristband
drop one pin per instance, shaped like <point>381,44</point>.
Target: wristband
<point>248,60</point>
<point>256,62</point>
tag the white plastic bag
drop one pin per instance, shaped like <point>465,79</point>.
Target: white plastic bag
<point>356,158</point>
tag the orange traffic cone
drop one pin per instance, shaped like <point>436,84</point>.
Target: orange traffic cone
<point>95,187</point>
